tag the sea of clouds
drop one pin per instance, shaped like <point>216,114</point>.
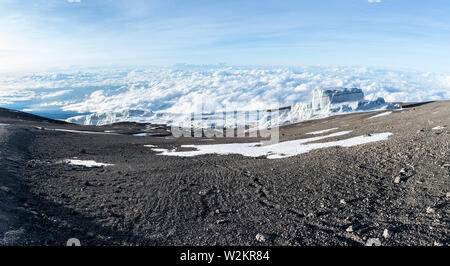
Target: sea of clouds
<point>185,88</point>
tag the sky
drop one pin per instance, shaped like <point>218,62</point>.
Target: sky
<point>58,34</point>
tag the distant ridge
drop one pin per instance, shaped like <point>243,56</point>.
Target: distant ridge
<point>13,114</point>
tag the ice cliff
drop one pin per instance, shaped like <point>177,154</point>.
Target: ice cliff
<point>325,102</point>
<point>332,101</point>
<point>105,118</point>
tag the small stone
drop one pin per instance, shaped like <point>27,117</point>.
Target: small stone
<point>86,183</point>
<point>31,164</point>
<point>385,233</point>
<point>430,210</point>
<point>221,221</point>
<point>12,238</point>
<point>397,180</point>
<point>21,209</point>
<point>5,189</point>
<point>262,237</point>
<point>343,202</point>
<point>373,242</point>
<point>437,244</point>
<point>349,229</point>
<point>448,194</point>
<point>203,192</point>
<point>217,211</point>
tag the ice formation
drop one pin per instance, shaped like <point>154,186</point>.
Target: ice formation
<point>325,102</point>
<point>328,102</point>
<point>112,117</point>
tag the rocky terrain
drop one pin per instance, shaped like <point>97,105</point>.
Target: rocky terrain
<point>395,191</point>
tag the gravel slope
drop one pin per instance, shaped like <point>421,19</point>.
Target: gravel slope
<point>14,144</point>
<point>396,190</point>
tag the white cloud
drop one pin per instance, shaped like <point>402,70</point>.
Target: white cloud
<point>183,89</point>
<point>74,1</point>
<point>374,1</point>
<point>55,94</point>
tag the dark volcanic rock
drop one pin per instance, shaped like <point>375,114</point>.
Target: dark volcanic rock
<point>310,199</point>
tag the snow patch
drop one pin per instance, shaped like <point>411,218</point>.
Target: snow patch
<point>143,134</point>
<point>81,132</point>
<point>275,151</point>
<point>380,115</point>
<point>86,163</point>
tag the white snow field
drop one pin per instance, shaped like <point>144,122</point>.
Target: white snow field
<point>86,163</point>
<point>143,134</point>
<point>80,131</point>
<point>161,94</point>
<point>274,151</point>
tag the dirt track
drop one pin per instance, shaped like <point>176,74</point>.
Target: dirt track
<point>333,196</point>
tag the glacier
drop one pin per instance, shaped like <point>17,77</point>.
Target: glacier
<point>324,103</point>
<point>335,101</point>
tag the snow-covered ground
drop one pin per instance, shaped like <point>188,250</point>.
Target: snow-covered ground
<point>143,134</point>
<point>86,163</point>
<point>380,115</point>
<point>80,131</point>
<point>274,151</point>
<point>164,93</point>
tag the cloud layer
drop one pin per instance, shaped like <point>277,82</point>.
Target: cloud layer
<point>184,89</point>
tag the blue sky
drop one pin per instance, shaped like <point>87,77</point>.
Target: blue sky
<point>42,34</point>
